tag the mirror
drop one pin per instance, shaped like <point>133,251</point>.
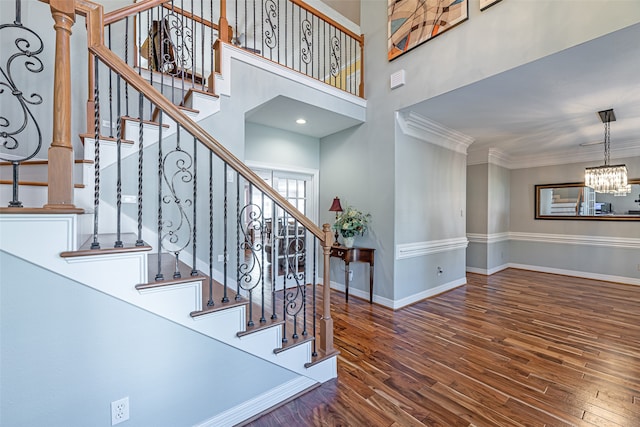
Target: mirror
<point>575,201</point>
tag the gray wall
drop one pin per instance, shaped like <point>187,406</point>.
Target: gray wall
<point>366,159</point>
<point>522,202</point>
<point>278,147</point>
<point>67,351</point>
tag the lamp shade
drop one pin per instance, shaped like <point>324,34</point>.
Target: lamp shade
<point>335,206</point>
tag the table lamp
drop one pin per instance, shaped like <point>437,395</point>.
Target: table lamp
<point>336,207</point>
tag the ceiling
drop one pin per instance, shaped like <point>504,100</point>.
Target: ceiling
<point>282,112</point>
<point>545,108</point>
<point>550,105</point>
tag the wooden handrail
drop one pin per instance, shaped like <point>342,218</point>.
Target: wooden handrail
<point>124,12</point>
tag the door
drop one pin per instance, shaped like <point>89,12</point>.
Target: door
<point>288,246</point>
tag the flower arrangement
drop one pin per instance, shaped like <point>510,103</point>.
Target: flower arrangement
<point>351,222</point>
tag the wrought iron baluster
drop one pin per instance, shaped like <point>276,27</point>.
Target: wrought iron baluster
<point>237,245</point>
<point>270,35</point>
<point>96,156</point>
<point>126,59</point>
<point>261,248</point>
<point>210,303</point>
<point>110,89</point>
<point>159,275</point>
<point>28,45</point>
<point>225,297</point>
<point>139,241</point>
<point>118,242</point>
<point>313,289</point>
<point>194,270</point>
<point>274,261</point>
<point>177,173</point>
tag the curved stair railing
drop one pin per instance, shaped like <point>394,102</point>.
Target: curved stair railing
<point>193,199</point>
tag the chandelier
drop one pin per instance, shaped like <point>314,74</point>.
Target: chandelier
<point>608,178</point>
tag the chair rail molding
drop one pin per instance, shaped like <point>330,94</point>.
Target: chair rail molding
<point>488,238</point>
<point>568,239</point>
<point>420,127</point>
<point>417,249</point>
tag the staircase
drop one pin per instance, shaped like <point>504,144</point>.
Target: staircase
<point>142,225</point>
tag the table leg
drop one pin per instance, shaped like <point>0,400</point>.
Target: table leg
<point>346,281</point>
<point>371,283</point>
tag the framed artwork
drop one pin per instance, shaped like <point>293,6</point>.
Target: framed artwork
<point>487,3</point>
<point>413,22</point>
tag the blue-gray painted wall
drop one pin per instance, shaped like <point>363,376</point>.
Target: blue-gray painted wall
<point>67,351</point>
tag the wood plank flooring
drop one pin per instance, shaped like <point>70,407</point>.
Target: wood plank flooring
<point>518,348</point>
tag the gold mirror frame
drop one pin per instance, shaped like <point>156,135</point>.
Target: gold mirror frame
<point>575,201</point>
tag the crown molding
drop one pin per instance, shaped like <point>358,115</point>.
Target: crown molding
<point>552,158</point>
<point>417,126</point>
<point>492,156</point>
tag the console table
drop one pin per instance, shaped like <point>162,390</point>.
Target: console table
<point>355,254</point>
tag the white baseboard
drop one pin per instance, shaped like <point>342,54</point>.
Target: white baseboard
<point>486,272</point>
<point>583,274</point>
<point>248,409</point>
<point>396,304</point>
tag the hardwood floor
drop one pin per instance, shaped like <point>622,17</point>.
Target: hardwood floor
<point>517,348</point>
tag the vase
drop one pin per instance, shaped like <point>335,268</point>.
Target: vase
<point>348,241</point>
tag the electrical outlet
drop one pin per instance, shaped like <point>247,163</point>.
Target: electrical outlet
<point>350,275</point>
<point>230,176</point>
<point>440,270</point>
<point>220,258</point>
<point>120,411</point>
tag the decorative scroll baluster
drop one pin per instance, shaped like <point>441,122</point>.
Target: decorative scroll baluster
<point>28,45</point>
<point>306,51</point>
<point>270,35</point>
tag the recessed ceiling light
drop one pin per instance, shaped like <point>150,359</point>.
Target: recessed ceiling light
<point>301,121</point>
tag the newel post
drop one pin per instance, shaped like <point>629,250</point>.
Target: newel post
<point>326,322</point>
<point>223,24</point>
<point>60,154</point>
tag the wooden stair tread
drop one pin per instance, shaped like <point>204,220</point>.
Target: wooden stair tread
<point>193,90</point>
<point>113,139</point>
<point>218,294</point>
<point>321,357</point>
<point>156,111</point>
<point>106,246</point>
<point>44,162</point>
<point>258,326</point>
<point>294,342</point>
<point>167,268</point>
<point>137,120</point>
<point>34,183</point>
<point>41,211</point>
